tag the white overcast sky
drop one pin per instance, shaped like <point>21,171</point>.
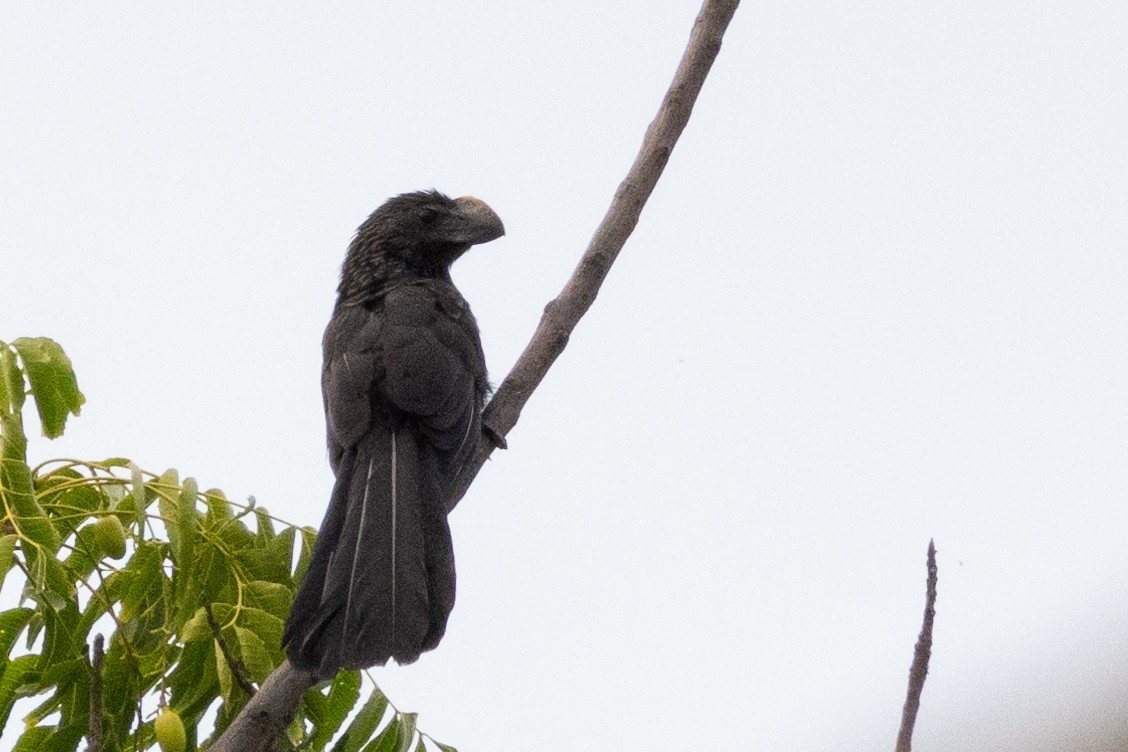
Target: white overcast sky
<point>879,296</point>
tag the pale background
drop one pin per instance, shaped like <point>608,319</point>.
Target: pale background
<point>878,296</point>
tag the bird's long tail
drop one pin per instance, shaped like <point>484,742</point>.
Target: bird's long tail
<point>380,583</point>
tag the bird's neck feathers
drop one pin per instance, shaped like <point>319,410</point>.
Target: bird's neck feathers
<point>371,269</point>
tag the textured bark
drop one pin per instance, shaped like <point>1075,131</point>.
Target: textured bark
<point>923,651</point>
<point>265,717</point>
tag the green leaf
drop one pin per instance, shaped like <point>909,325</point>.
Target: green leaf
<point>140,502</point>
<point>219,509</point>
<point>166,488</point>
<point>193,682</point>
<point>309,537</point>
<point>12,623</point>
<point>143,581</point>
<point>13,441</point>
<point>167,481</point>
<point>61,642</point>
<point>258,560</point>
<point>252,651</point>
<point>121,686</point>
<point>66,677</point>
<point>213,573</point>
<point>52,380</point>
<point>188,518</point>
<point>406,723</point>
<point>235,536</point>
<point>197,628</point>
<point>64,737</point>
<point>389,740</point>
<point>68,498</point>
<point>39,541</point>
<point>142,585</point>
<point>270,597</point>
<point>18,679</point>
<point>267,626</point>
<point>183,534</point>
<point>115,496</point>
<point>12,389</point>
<point>264,524</point>
<point>366,722</point>
<point>12,673</point>
<point>33,739</point>
<point>87,554</point>
<point>331,713</point>
<point>180,519</point>
<point>72,700</point>
<point>223,672</point>
<point>17,493</point>
<point>7,555</point>
<point>108,593</point>
<point>279,553</point>
<point>50,584</point>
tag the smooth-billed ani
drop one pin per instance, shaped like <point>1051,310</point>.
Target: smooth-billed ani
<point>403,382</point>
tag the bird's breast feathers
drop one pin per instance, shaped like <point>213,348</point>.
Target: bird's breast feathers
<point>417,355</point>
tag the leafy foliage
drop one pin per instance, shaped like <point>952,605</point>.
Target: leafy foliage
<point>193,590</point>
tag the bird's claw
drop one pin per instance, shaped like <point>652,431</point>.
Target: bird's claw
<point>495,438</point>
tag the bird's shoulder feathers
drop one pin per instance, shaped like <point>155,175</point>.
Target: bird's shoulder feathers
<point>413,354</point>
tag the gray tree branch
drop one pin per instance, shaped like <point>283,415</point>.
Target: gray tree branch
<point>269,712</point>
<point>277,700</point>
<point>923,651</point>
<point>562,314</point>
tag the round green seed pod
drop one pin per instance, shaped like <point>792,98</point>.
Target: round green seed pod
<point>110,534</point>
<point>169,730</point>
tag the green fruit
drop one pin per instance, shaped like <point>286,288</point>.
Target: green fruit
<point>110,535</point>
<point>169,730</point>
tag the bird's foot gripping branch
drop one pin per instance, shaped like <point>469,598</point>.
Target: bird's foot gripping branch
<point>189,590</point>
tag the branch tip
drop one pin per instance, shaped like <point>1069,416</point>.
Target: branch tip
<point>922,652</point>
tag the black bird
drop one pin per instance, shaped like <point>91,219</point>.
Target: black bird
<point>403,381</point>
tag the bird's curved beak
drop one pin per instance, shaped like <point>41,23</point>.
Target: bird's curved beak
<point>479,223</point>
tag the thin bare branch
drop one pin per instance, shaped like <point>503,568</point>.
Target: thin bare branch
<point>923,651</point>
<point>562,314</point>
<point>97,658</point>
<point>238,669</point>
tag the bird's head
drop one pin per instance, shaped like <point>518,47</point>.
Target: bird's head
<point>417,234</point>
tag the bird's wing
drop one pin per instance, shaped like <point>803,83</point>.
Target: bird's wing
<point>402,400</point>
<point>433,366</point>
<point>416,357</point>
<point>351,373</point>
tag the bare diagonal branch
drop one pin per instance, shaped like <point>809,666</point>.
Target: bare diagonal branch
<point>562,314</point>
